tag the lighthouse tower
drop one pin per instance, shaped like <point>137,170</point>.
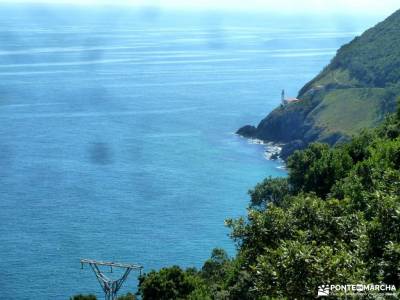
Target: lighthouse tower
<point>283,97</point>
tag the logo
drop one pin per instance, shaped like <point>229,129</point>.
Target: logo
<point>323,290</point>
<point>326,290</point>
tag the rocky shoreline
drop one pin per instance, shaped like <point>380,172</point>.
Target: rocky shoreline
<point>272,151</point>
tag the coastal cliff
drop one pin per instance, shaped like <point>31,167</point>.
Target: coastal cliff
<point>356,90</point>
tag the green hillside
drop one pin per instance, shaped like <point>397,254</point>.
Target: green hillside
<point>361,109</point>
<point>356,90</point>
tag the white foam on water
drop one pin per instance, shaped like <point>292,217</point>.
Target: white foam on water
<point>322,35</point>
<point>173,135</point>
<point>94,114</point>
<point>180,83</point>
<point>296,50</point>
<point>121,50</point>
<point>305,54</point>
<point>24,73</point>
<point>130,61</point>
<point>200,71</point>
<point>270,149</point>
<point>72,63</point>
<point>65,49</point>
<point>31,104</point>
<point>173,62</point>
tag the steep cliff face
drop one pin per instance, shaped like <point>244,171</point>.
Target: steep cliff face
<point>355,91</point>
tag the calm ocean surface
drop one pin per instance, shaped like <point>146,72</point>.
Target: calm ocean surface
<point>116,134</point>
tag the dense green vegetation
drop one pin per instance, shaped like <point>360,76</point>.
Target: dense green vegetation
<point>334,220</point>
<point>373,64</point>
<point>128,296</point>
<point>355,91</point>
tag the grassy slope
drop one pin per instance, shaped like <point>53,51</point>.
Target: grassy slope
<point>347,111</point>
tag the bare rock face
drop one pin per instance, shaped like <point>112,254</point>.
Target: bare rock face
<point>248,131</point>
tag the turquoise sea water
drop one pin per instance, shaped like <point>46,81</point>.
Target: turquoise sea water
<point>116,134</point>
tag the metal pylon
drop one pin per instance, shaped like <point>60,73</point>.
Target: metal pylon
<point>109,286</point>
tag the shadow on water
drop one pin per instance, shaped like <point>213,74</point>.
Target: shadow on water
<point>100,153</point>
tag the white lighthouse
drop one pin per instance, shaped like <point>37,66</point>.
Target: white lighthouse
<point>286,101</point>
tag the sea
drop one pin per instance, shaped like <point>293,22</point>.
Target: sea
<point>117,133</point>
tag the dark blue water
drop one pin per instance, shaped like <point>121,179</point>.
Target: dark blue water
<point>116,134</point>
